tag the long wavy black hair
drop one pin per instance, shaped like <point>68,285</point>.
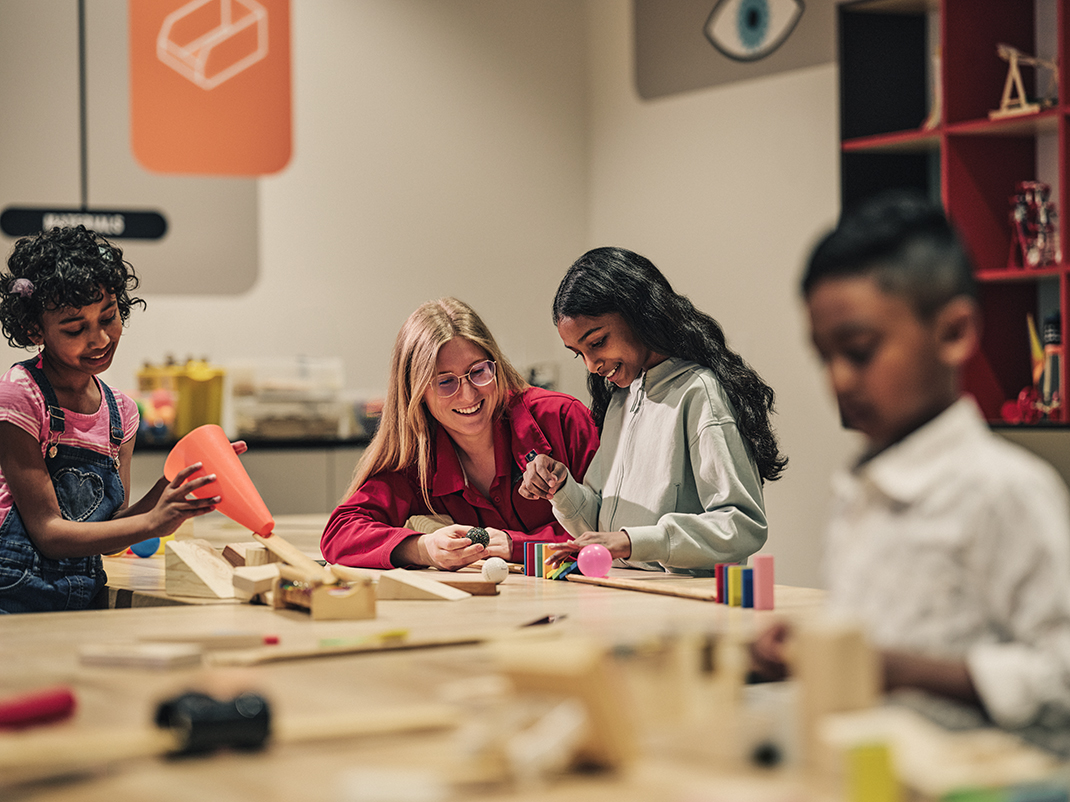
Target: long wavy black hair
<point>607,280</point>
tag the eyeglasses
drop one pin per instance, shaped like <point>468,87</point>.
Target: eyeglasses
<point>479,375</point>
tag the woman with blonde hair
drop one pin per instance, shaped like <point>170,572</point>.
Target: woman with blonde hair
<point>458,428</point>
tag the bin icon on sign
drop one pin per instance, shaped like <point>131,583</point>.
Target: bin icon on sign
<point>211,41</point>
<point>210,86</point>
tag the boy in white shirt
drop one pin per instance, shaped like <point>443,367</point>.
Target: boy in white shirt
<point>950,544</point>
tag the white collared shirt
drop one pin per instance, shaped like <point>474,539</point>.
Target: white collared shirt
<point>956,543</point>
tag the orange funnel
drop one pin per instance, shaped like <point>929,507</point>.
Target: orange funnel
<point>240,501</point>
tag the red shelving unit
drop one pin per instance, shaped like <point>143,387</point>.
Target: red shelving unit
<point>972,164</point>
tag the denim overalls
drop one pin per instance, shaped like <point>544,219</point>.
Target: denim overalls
<point>88,488</point>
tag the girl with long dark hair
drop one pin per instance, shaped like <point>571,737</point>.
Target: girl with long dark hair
<point>686,438</point>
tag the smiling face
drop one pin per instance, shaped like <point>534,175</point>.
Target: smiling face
<point>890,370</point>
<point>468,413</point>
<point>608,347</point>
<point>81,340</point>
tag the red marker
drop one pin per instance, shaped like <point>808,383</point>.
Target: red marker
<point>37,707</point>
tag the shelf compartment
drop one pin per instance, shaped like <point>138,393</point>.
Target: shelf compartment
<point>980,175</point>
<point>974,74</point>
<point>863,175</point>
<point>1002,367</point>
<point>884,66</point>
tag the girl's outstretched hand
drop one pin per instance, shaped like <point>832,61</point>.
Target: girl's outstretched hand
<point>618,543</point>
<point>543,476</point>
<point>176,505</point>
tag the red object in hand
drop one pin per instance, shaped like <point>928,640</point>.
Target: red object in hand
<point>37,707</point>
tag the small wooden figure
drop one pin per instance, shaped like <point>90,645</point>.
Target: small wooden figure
<point>1015,101</point>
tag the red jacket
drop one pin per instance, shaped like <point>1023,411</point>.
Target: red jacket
<point>366,528</point>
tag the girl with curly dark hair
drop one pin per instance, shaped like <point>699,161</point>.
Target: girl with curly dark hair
<point>686,438</point>
<point>66,438</point>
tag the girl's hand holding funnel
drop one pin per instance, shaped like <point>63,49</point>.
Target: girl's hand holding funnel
<point>238,497</point>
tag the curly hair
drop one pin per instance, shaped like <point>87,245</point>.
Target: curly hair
<point>615,280</point>
<point>69,267</point>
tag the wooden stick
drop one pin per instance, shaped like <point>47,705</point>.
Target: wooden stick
<point>388,642</point>
<point>288,552</point>
<point>646,586</point>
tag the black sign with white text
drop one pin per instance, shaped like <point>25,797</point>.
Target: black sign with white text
<point>16,222</point>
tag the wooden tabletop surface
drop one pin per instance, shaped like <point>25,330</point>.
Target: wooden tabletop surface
<point>42,650</point>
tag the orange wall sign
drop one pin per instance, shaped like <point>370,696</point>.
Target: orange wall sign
<point>210,86</point>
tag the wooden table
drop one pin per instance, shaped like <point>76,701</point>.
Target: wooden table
<point>42,649</point>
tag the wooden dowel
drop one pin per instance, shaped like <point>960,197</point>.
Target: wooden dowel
<point>645,586</point>
<point>288,552</point>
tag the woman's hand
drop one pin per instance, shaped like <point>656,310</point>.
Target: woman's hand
<point>543,476</point>
<point>176,504</point>
<point>449,548</point>
<point>618,543</point>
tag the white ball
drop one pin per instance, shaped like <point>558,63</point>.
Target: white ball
<point>495,570</point>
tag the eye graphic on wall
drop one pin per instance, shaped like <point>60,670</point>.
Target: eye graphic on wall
<point>748,30</point>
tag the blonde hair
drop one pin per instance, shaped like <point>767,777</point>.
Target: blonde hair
<point>406,429</point>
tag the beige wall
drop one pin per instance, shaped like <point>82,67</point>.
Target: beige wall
<point>725,189</point>
<point>475,148</point>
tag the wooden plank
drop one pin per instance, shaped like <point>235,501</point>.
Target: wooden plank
<point>414,585</point>
<point>476,587</point>
<point>646,586</point>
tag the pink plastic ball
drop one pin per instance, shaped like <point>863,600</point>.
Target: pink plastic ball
<point>594,560</point>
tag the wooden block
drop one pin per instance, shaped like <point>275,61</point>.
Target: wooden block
<point>338,602</point>
<point>413,585</point>
<point>582,670</point>
<point>250,580</point>
<point>837,671</point>
<point>140,655</point>
<point>194,568</point>
<point>238,554</point>
<point>343,603</point>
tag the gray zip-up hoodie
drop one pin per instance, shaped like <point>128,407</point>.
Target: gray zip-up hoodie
<point>674,473</point>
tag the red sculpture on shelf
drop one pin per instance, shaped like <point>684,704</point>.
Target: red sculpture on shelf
<point>1034,238</point>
